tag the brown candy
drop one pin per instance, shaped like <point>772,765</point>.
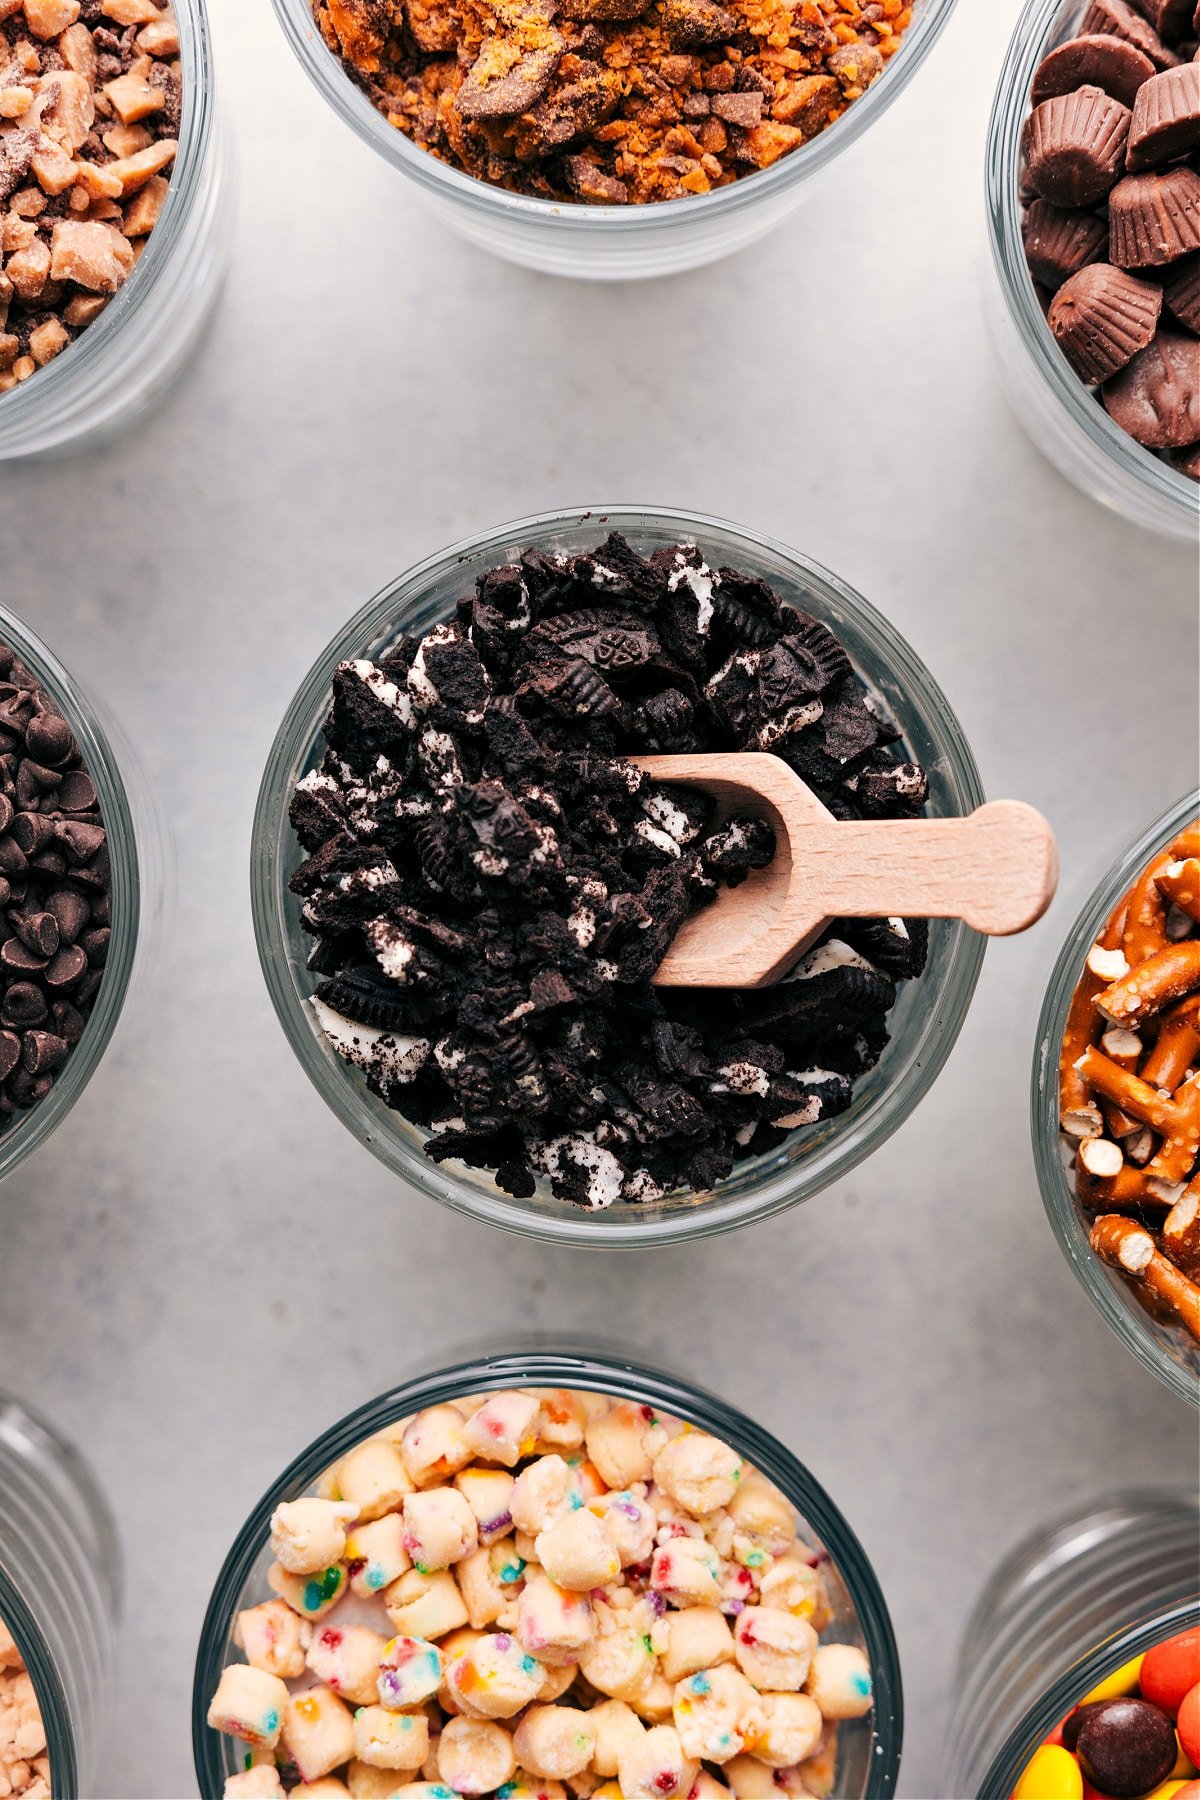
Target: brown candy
<point>1058,243</point>
<point>500,88</point>
<point>1117,19</point>
<point>1075,146</point>
<point>1156,399</point>
<point>1188,461</point>
<point>1154,219</point>
<point>1181,294</point>
<point>1100,60</point>
<point>1102,317</point>
<point>1166,118</point>
<point>1168,17</point>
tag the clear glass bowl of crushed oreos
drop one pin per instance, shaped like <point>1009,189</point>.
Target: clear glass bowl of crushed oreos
<point>856,1108</point>
<point>611,242</point>
<point>1064,415</point>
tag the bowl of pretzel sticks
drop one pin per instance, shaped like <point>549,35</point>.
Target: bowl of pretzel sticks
<point>1116,1098</point>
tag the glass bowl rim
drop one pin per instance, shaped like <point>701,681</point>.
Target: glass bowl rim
<point>943,1016</point>
<point>347,99</point>
<point>146,278</point>
<point>1057,1197</point>
<point>593,1373</point>
<point>22,1139</point>
<point>1034,29</point>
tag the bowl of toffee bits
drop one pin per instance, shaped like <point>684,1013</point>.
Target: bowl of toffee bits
<point>1093,184</point>
<point>611,139</point>
<point>70,892</point>
<point>114,212</point>
<point>462,888</point>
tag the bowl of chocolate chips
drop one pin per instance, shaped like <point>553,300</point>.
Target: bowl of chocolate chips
<point>1093,306</point>
<point>462,886</point>
<point>73,891</point>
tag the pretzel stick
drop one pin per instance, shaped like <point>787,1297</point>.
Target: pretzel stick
<point>1168,975</point>
<point>1178,1040</point>
<point>1187,843</point>
<point>1078,1113</point>
<point>1180,882</point>
<point>1133,1094</point>
<point>1105,1182</point>
<point>1125,1048</point>
<point>1127,1246</point>
<point>1146,923</point>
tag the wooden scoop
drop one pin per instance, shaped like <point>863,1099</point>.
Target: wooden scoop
<point>997,870</point>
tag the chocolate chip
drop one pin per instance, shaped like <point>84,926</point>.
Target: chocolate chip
<point>10,1053</point>
<point>23,1004</point>
<point>76,793</point>
<point>66,968</point>
<point>42,1051</point>
<point>49,739</point>
<point>71,911</point>
<point>37,931</point>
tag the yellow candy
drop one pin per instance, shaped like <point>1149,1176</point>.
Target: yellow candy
<point>1184,1766</point>
<point>1050,1774</point>
<point>1122,1681</point>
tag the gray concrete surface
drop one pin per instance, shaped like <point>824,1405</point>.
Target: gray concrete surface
<point>202,1269</point>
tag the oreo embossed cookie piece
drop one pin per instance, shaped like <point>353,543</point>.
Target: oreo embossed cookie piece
<point>490,885</point>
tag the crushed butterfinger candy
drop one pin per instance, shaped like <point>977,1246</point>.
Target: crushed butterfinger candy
<point>24,1763</point>
<point>612,102</point>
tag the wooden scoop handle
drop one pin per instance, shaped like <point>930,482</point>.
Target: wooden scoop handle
<point>996,869</point>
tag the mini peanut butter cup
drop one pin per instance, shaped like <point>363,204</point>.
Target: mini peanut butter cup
<point>1102,317</point>
<point>1166,118</point>
<point>1058,243</point>
<point>1168,17</point>
<point>1101,60</point>
<point>1154,219</point>
<point>1075,146</point>
<point>1182,293</point>
<point>1156,397</point>
<point>1114,18</point>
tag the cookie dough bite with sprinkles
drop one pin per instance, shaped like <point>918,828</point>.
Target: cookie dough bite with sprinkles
<point>539,1596</point>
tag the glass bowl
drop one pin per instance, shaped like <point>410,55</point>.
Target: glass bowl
<point>1068,1607</point>
<point>1061,414</point>
<point>118,368</point>
<point>59,1590</point>
<point>609,243</point>
<point>133,846</point>
<point>924,1022</point>
<point>869,1748</point>
<point>1170,1354</point>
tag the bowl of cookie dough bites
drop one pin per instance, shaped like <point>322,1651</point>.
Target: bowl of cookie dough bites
<point>543,1569</point>
<point>462,888</point>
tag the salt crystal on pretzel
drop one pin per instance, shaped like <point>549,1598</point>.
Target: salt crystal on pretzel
<point>1127,1246</point>
<point>1180,882</point>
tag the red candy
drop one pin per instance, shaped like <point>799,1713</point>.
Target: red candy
<point>1170,1670</point>
<point>1188,1724</point>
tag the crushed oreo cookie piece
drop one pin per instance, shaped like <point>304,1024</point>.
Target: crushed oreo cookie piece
<point>491,885</point>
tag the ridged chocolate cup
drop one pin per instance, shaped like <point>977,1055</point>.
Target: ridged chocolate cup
<point>1153,220</point>
<point>1156,398</point>
<point>1182,294</point>
<point>1168,17</point>
<point>1166,118</point>
<point>1117,19</point>
<point>1101,318</point>
<point>1075,146</point>
<point>1101,60</point>
<point>1059,243</point>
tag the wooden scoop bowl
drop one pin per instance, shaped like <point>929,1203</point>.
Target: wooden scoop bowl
<point>996,870</point>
